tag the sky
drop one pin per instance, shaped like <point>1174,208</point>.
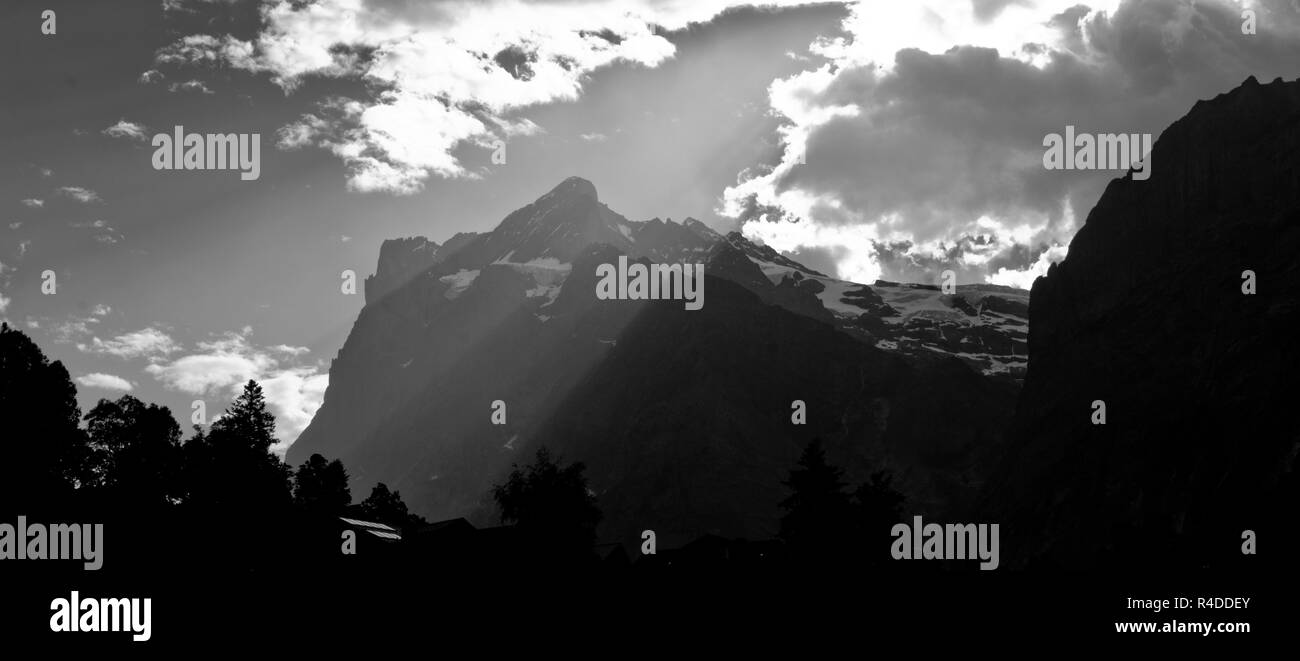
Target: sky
<point>867,139</point>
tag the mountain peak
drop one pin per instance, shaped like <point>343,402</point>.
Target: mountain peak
<point>400,261</point>
<point>576,185</point>
<point>701,229</point>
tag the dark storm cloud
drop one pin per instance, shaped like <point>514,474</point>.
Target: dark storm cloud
<point>941,140</point>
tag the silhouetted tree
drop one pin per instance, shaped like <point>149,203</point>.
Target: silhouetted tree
<point>879,507</point>
<point>819,518</point>
<point>235,483</point>
<point>385,506</point>
<point>138,452</point>
<point>45,456</point>
<point>552,505</point>
<point>231,467</point>
<point>247,421</point>
<point>321,487</point>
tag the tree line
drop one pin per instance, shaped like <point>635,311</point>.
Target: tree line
<point>128,457</point>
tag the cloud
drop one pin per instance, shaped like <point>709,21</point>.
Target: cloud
<point>82,195</point>
<point>440,74</point>
<point>150,343</point>
<point>104,381</point>
<point>125,129</point>
<point>96,224</point>
<point>4,302</point>
<point>68,331</point>
<point>151,76</point>
<point>209,372</point>
<point>191,6</point>
<point>223,365</point>
<point>1024,278</point>
<point>189,86</point>
<point>594,137</point>
<point>34,203</point>
<point>294,395</point>
<point>921,139</point>
<point>107,234</point>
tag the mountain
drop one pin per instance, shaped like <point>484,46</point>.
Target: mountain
<point>1147,314</point>
<point>683,417</point>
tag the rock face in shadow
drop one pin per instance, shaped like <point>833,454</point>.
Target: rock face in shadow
<point>685,425</point>
<point>1147,314</point>
<point>683,417</point>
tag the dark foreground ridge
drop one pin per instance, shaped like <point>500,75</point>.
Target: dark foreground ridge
<point>1148,315</point>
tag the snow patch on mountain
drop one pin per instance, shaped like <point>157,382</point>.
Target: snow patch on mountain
<point>833,297</point>
<point>458,282</point>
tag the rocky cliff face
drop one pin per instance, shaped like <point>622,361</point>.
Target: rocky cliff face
<point>1147,314</point>
<point>686,413</point>
<point>400,260</point>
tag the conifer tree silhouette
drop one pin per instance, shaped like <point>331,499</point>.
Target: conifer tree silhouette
<point>232,468</point>
<point>879,506</point>
<point>819,520</point>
